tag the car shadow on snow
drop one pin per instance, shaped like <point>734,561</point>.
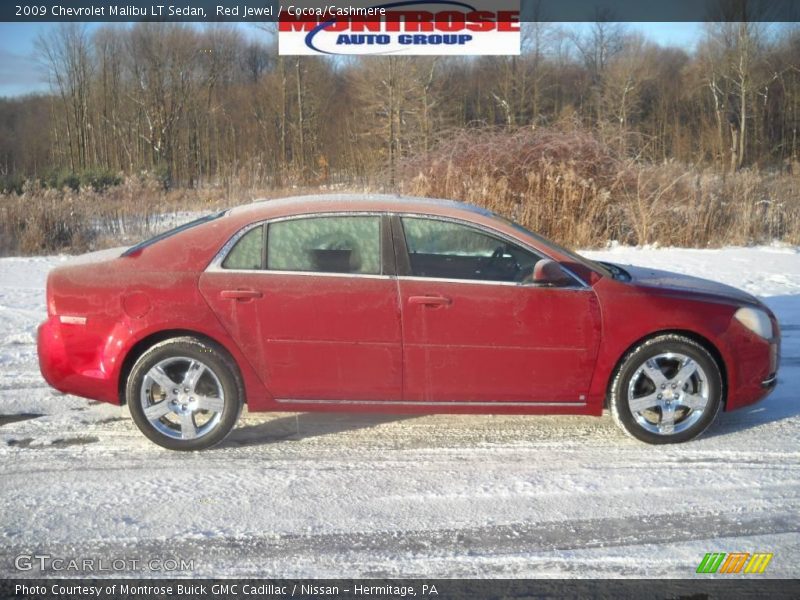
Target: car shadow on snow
<point>302,426</point>
<point>6,419</point>
<point>777,407</point>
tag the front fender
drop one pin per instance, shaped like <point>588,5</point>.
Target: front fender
<point>631,316</point>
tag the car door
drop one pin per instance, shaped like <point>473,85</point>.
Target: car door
<point>313,304</point>
<point>475,327</point>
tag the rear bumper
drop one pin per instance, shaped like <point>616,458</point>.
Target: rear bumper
<point>69,361</point>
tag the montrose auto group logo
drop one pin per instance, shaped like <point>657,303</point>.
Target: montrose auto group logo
<point>406,28</point>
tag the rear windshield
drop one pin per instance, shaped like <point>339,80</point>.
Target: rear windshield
<point>171,232</point>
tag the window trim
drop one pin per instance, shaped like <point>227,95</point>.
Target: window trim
<point>404,260</point>
<point>387,259</point>
<point>394,253</point>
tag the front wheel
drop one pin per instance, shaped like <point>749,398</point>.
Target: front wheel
<point>667,390</point>
<point>184,394</point>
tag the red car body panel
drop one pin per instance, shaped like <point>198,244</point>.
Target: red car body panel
<point>547,338</point>
<point>319,342</point>
<point>637,314</point>
<point>301,321</point>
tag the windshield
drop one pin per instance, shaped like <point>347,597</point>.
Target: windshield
<point>589,264</point>
<point>171,232</point>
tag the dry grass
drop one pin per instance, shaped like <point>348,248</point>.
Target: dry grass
<point>561,182</point>
<point>46,221</point>
<point>567,185</point>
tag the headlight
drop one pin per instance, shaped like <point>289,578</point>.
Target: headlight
<point>756,321</point>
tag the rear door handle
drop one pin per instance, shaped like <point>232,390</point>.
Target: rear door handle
<point>430,300</point>
<point>240,294</point>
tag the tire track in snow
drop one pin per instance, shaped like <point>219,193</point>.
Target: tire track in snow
<point>488,541</point>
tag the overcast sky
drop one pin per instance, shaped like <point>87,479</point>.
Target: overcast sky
<point>21,74</point>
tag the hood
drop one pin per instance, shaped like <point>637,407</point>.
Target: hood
<point>676,282</point>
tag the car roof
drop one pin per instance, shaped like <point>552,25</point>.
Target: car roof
<point>262,209</point>
<point>194,248</point>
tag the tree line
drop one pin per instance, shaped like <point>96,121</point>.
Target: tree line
<point>215,105</point>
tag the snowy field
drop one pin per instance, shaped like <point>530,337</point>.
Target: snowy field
<point>316,495</point>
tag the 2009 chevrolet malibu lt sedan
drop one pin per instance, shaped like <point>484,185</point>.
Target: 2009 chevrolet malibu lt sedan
<point>395,304</point>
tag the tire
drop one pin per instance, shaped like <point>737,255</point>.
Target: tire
<point>667,390</point>
<point>185,394</point>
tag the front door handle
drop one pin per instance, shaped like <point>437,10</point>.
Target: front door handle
<point>240,294</point>
<point>430,300</point>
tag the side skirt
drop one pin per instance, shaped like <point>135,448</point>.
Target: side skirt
<point>421,407</point>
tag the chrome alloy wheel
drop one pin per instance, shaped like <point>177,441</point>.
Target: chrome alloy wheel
<point>182,398</point>
<point>668,393</point>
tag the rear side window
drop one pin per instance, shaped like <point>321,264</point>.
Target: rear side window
<point>349,244</point>
<point>248,253</point>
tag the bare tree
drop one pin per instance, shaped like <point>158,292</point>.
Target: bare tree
<point>162,59</point>
<point>67,58</point>
<point>208,105</point>
<point>731,52</point>
<point>396,96</point>
<point>596,48</point>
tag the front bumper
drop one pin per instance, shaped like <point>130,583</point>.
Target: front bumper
<point>756,362</point>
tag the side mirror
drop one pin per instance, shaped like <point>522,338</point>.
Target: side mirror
<point>549,272</point>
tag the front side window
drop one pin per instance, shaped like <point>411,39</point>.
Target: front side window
<point>448,250</point>
<point>335,244</point>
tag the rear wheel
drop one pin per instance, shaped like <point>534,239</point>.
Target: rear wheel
<point>667,390</point>
<point>184,394</point>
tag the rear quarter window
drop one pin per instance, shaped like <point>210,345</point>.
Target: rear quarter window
<point>248,253</point>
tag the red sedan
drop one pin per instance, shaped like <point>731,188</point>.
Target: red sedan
<point>395,304</point>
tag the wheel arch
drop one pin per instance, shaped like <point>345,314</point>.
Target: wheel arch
<point>157,337</point>
<point>691,335</point>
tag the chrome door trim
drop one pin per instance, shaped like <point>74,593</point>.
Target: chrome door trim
<point>566,288</point>
<point>420,403</point>
<point>301,273</point>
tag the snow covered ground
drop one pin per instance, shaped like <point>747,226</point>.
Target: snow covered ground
<point>449,496</point>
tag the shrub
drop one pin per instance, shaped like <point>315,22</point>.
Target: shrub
<point>565,183</point>
<point>11,184</point>
<point>45,220</point>
<point>100,179</point>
